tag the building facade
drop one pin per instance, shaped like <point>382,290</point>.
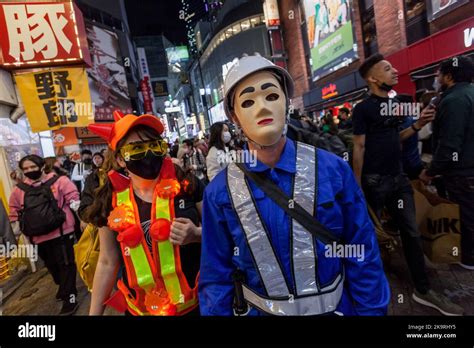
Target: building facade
<point>111,16</point>
<point>238,28</point>
<point>414,35</point>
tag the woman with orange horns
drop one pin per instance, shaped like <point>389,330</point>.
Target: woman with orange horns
<point>149,218</point>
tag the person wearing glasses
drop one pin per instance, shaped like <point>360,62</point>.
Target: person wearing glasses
<point>149,225</point>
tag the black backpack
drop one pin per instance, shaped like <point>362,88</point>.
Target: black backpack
<point>40,213</point>
<point>328,142</point>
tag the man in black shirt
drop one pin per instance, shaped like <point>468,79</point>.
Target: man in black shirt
<point>377,162</point>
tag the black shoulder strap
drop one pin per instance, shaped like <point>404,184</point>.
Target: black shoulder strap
<point>24,187</point>
<point>51,181</point>
<point>292,208</point>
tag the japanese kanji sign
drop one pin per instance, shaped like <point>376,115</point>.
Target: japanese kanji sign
<point>37,34</point>
<point>85,133</point>
<point>56,98</point>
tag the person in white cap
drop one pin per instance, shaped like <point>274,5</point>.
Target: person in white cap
<point>289,235</point>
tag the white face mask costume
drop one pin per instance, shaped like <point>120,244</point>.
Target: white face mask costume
<point>260,108</point>
<point>256,98</point>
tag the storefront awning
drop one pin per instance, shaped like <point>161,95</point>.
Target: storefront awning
<point>341,90</point>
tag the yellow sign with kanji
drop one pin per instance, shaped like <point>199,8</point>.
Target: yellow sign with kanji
<point>56,98</point>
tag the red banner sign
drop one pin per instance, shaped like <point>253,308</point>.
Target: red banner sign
<point>147,96</point>
<point>39,34</point>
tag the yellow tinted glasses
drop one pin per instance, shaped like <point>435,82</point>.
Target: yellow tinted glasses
<point>137,151</point>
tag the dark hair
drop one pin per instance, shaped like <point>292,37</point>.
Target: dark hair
<point>145,133</point>
<point>189,142</point>
<point>425,98</point>
<point>216,136</point>
<point>49,164</point>
<point>461,68</point>
<point>98,212</point>
<point>295,114</point>
<point>39,161</point>
<point>98,154</point>
<point>346,110</point>
<point>369,63</point>
<point>419,93</point>
<point>174,150</point>
<point>86,152</point>
<point>186,179</point>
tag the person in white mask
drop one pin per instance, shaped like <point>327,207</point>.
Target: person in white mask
<point>219,140</point>
<point>257,258</point>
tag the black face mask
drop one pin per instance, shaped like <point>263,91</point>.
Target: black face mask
<point>88,161</point>
<point>35,175</point>
<point>147,168</point>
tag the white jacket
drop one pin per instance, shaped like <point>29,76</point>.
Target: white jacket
<point>216,161</point>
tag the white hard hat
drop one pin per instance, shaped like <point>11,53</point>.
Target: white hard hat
<point>246,66</point>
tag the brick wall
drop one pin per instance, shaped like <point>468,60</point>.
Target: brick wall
<point>391,37</point>
<point>290,15</point>
<point>391,32</point>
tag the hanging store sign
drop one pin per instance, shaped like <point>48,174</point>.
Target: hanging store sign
<point>145,83</point>
<point>160,88</point>
<point>329,91</point>
<point>42,34</point>
<point>65,137</point>
<point>56,98</point>
<point>270,10</point>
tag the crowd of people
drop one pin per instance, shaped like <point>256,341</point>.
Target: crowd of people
<point>185,230</point>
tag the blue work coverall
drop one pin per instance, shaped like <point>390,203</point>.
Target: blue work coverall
<point>341,207</point>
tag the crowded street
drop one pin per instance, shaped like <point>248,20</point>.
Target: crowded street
<point>32,296</point>
<point>237,158</point>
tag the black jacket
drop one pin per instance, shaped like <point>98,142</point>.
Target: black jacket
<point>453,133</point>
<point>6,232</point>
<point>88,195</point>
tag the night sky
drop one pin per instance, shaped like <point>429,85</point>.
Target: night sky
<point>154,17</point>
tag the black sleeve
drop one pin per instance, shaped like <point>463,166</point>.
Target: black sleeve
<point>198,190</point>
<point>358,120</point>
<point>88,195</point>
<point>201,161</point>
<point>452,117</point>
